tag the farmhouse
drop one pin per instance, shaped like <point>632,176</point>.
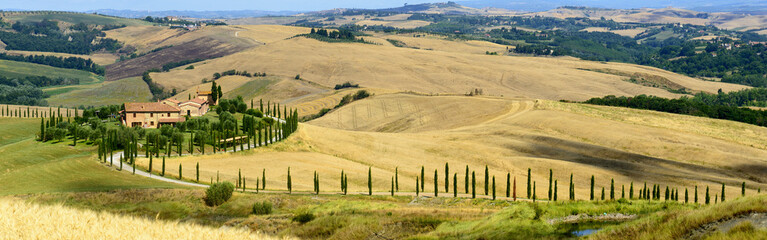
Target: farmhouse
<point>207,96</point>
<point>168,111</point>
<point>194,108</point>
<point>150,115</point>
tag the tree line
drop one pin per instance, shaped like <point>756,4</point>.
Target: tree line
<point>46,36</point>
<point>59,62</point>
<point>686,106</point>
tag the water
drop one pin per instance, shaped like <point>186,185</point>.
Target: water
<point>584,232</point>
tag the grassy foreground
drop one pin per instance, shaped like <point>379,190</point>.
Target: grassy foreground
<point>362,217</point>
<point>685,224</point>
<point>21,220</point>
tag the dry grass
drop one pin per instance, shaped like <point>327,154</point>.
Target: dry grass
<point>411,113</point>
<point>22,220</point>
<point>435,71</point>
<point>627,145</point>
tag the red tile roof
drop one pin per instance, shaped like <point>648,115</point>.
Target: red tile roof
<point>149,107</point>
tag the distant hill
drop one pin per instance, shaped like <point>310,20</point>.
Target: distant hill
<point>543,5</point>
<point>194,14</point>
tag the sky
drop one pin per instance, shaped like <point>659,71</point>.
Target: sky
<point>200,5</point>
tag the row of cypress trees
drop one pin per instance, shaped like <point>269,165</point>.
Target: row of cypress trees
<point>490,187</point>
<point>30,112</point>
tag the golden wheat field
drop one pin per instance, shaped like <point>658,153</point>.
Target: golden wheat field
<point>434,71</point>
<point>513,135</point>
<point>21,220</point>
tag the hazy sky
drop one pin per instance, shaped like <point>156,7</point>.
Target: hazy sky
<point>211,5</point>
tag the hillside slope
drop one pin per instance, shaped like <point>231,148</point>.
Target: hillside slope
<point>432,71</point>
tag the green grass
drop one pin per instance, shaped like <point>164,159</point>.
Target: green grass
<point>677,224</point>
<point>529,220</point>
<point>29,166</point>
<point>76,18</point>
<point>252,89</point>
<point>105,93</point>
<point>15,69</point>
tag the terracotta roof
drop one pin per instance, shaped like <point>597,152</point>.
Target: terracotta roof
<point>197,100</point>
<point>172,120</point>
<point>149,107</point>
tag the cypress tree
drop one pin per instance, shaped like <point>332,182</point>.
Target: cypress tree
<point>435,183</point>
<point>197,177</point>
<point>417,187</point>
<point>346,183</point>
<point>603,193</point>
<point>179,172</point>
<point>455,184</point>
<point>551,179</point>
<point>708,197</point>
<point>534,195</point>
<point>612,189</point>
<point>243,185</point>
<point>370,181</point>
<point>134,167</point>
<point>163,166</point>
<point>722,192</point>
<point>239,177</point>
<point>676,195</point>
<point>508,185</point>
<point>290,182</point>
<point>743,189</point>
<point>487,180</point>
<point>529,193</point>
<point>631,190</point>
<point>514,189</point>
<point>466,181</point>
<point>150,165</point>
<point>696,193</point>
<point>716,198</point>
<point>263,179</point>
<point>392,186</point>
<point>447,178</point>
<point>592,188</point>
<point>473,185</point>
<point>422,178</point>
<point>396,178</point>
<point>572,188</point>
<point>493,187</point>
<point>342,180</point>
<point>121,165</point>
<point>686,198</point>
<point>623,192</point>
<point>555,190</point>
<point>42,131</point>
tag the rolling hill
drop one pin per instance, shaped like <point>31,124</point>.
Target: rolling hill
<point>451,67</point>
<point>512,135</point>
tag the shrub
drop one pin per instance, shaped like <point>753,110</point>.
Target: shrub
<point>218,193</point>
<point>262,208</point>
<point>304,217</point>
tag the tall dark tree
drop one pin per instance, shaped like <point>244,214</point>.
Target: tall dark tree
<point>473,185</point>
<point>508,185</point>
<point>493,187</point>
<point>455,184</point>
<point>466,180</point>
<point>447,178</point>
<point>612,189</point>
<point>487,180</point>
<point>436,186</point>
<point>529,189</point>
<point>370,181</point>
<point>591,196</point>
